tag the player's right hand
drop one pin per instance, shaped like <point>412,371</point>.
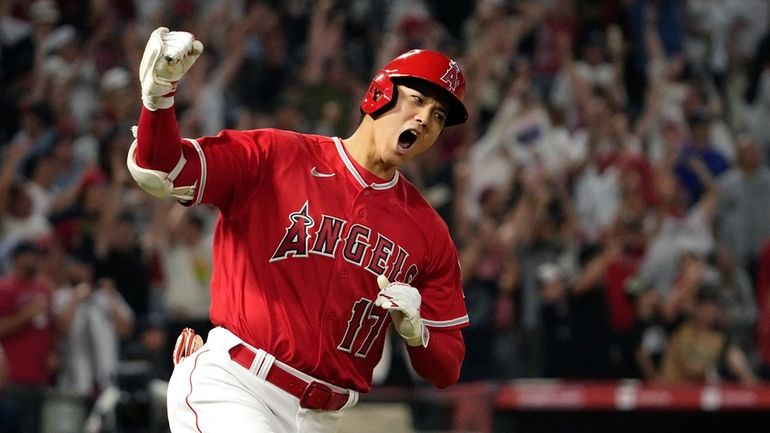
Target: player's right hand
<point>167,56</point>
<point>403,303</point>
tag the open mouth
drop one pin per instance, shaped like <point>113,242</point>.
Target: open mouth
<point>407,138</point>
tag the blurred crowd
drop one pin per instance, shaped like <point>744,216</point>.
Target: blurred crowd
<point>609,195</point>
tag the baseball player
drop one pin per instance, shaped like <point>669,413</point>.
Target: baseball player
<point>319,246</point>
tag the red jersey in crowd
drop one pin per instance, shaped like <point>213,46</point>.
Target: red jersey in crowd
<point>27,349</point>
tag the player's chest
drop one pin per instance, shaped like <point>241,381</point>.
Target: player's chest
<point>351,234</point>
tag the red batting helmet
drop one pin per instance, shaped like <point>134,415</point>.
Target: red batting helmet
<point>425,65</point>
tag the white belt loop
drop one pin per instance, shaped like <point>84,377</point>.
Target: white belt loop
<point>256,364</point>
<point>266,361</point>
<point>352,399</point>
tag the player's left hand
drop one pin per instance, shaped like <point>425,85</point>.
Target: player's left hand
<point>186,344</point>
<point>403,303</point>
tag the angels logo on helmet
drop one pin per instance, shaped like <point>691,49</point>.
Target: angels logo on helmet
<point>452,76</point>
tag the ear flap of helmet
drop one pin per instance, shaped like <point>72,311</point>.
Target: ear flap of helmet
<point>379,95</point>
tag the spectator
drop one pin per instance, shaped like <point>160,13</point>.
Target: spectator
<point>699,345</point>
<point>18,221</point>
<point>125,261</point>
<point>27,336</point>
<point>649,334</point>
<point>595,172</point>
<point>599,67</point>
<point>698,100</point>
<point>489,279</point>
<point>17,43</point>
<point>3,371</point>
<point>679,230</point>
<point>327,82</point>
<point>574,326</point>
<point>517,139</point>
<point>40,173</point>
<point>664,21</point>
<point>181,238</point>
<point>6,414</point>
<point>757,95</point>
<point>490,63</point>
<point>743,206</point>
<point>93,319</point>
<point>37,133</point>
<point>50,194</point>
<point>548,236</point>
<point>763,307</point>
<point>262,76</point>
<point>115,91</point>
<point>67,75</point>
<point>738,301</point>
<point>699,147</point>
<point>560,23</point>
<point>620,260</point>
<point>722,36</point>
<point>558,347</point>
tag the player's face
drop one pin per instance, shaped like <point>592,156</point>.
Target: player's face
<point>411,126</point>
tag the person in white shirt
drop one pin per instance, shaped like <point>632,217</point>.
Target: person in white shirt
<point>93,318</point>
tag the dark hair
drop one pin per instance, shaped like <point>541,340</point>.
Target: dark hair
<point>25,247</point>
<point>555,211</point>
<point>126,217</point>
<point>33,163</point>
<point>698,117</point>
<point>708,292</point>
<point>15,191</point>
<point>43,112</point>
<point>195,220</point>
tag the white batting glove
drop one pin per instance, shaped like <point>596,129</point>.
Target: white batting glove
<point>186,344</point>
<point>167,56</point>
<point>403,303</point>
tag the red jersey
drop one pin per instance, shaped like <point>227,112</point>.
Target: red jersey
<point>27,349</point>
<point>302,235</point>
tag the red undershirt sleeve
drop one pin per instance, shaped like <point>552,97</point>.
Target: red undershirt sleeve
<point>159,145</point>
<point>440,362</point>
<point>158,141</point>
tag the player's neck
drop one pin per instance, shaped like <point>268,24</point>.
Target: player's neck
<point>361,147</point>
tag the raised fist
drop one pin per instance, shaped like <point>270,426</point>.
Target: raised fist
<point>167,56</point>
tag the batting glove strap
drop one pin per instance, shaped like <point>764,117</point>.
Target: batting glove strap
<point>421,339</point>
<point>167,56</point>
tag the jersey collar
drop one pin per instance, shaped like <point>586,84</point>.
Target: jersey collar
<point>356,170</point>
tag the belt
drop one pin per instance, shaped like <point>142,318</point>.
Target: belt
<point>311,395</point>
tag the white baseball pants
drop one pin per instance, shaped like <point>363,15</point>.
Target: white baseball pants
<point>209,393</point>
